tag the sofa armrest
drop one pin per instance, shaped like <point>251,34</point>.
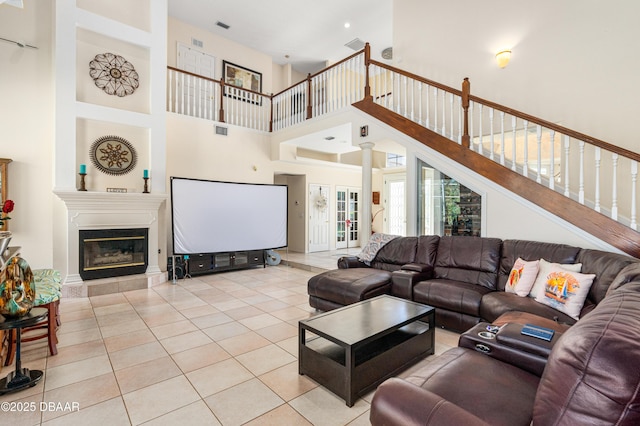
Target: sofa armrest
<point>346,262</point>
<point>398,402</point>
<point>417,267</point>
<point>403,280</point>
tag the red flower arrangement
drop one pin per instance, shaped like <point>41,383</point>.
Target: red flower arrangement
<point>7,207</point>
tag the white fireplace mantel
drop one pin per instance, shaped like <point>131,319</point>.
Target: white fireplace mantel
<point>108,210</point>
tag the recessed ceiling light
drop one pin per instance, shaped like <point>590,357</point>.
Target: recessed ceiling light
<point>347,25</point>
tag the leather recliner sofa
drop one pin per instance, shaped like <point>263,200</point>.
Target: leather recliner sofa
<point>463,277</point>
<point>591,377</point>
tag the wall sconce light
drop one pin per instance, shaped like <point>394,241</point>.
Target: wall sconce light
<point>503,57</point>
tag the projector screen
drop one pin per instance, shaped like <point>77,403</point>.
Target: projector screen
<point>212,216</point>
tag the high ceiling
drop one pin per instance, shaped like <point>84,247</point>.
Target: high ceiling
<point>305,33</point>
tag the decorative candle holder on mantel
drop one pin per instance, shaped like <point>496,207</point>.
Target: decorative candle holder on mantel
<point>145,176</point>
<point>83,173</point>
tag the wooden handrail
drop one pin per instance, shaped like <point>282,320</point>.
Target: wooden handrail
<point>310,76</point>
<point>417,77</point>
<point>192,74</point>
<point>221,82</point>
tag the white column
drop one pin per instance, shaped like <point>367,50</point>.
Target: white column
<point>365,209</point>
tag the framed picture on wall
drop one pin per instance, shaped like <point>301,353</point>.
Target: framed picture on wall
<point>243,78</point>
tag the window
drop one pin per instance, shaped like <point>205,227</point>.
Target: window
<point>395,160</point>
<point>446,207</point>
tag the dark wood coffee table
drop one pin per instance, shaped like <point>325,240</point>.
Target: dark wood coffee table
<point>355,348</point>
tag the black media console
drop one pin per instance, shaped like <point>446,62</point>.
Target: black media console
<point>199,264</point>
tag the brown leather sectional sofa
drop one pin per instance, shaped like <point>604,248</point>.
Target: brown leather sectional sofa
<point>463,277</point>
<point>591,374</point>
<point>590,378</point>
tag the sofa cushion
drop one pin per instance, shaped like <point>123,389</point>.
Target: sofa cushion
<point>592,376</point>
<point>522,276</point>
<point>566,291</point>
<point>396,253</point>
<point>496,392</point>
<point>427,249</point>
<point>451,295</point>
<point>347,286</point>
<point>606,266</point>
<point>497,303</point>
<point>532,250</point>
<point>473,260</point>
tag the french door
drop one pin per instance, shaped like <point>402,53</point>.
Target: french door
<point>347,217</point>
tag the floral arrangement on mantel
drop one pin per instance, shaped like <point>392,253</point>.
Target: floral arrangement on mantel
<point>7,207</point>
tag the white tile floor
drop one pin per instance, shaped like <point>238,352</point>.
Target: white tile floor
<point>216,349</point>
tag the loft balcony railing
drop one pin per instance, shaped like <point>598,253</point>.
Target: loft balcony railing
<point>589,171</point>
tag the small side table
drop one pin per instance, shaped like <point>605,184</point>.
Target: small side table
<point>21,378</point>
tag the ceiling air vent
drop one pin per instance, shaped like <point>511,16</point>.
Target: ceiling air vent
<point>223,25</point>
<point>221,130</point>
<point>355,44</point>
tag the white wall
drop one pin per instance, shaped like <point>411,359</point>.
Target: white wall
<point>574,62</point>
<point>222,49</point>
<point>26,123</point>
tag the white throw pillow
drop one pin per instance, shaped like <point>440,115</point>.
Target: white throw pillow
<point>522,276</point>
<point>565,291</point>
<point>545,268</point>
<point>375,243</point>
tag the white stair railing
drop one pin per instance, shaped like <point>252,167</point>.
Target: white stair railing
<point>593,173</point>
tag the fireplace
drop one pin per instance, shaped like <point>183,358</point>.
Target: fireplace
<point>113,252</point>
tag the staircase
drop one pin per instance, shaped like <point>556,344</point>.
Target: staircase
<point>587,182</point>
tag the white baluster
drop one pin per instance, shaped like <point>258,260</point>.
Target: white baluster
<point>491,141</point>
<point>460,119</point>
<point>451,116</point>
<point>581,182</point>
<point>471,123</point>
<point>169,89</point>
<point>597,166</point>
<point>184,94</point>
<point>552,166</point>
<point>502,138</point>
<point>427,101</point>
<point>539,161</point>
<point>388,82</point>
<point>614,189</point>
<point>480,132</point>
<point>525,160</point>
<point>634,189</point>
<point>200,98</point>
<point>567,147</point>
<point>413,88</point>
<point>420,120</point>
<point>404,94</point>
<point>435,109</point>
<point>514,158</point>
<point>444,113</point>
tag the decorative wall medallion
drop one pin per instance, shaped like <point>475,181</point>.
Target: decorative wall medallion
<point>113,155</point>
<point>114,74</point>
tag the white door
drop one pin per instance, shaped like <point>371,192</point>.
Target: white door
<point>198,93</point>
<point>395,204</point>
<point>318,217</point>
<point>347,217</point>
